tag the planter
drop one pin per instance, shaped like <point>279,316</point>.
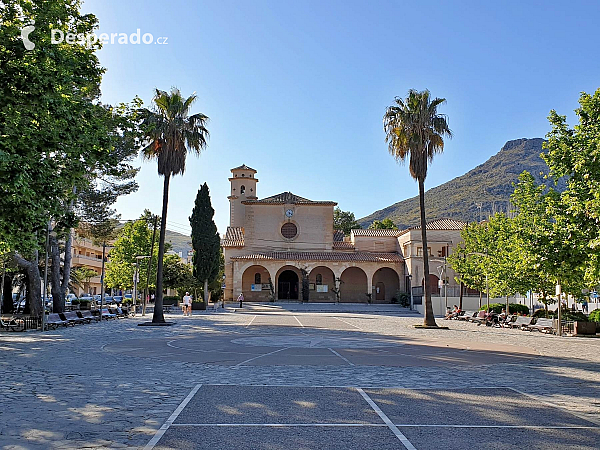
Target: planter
<point>198,306</point>
<point>583,328</point>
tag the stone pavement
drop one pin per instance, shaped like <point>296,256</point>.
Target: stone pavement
<point>113,385</point>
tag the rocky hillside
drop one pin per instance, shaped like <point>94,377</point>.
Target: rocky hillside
<point>488,185</point>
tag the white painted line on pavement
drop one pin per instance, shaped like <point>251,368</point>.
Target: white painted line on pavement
<point>387,421</point>
<point>161,431</point>
<point>348,323</point>
<point>541,427</point>
<point>279,425</point>
<point>299,321</point>
<point>250,323</point>
<point>260,356</point>
<point>545,402</point>
<point>405,425</point>
<point>337,354</point>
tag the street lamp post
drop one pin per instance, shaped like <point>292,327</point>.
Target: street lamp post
<point>411,292</point>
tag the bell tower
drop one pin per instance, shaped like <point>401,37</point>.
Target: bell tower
<point>243,187</point>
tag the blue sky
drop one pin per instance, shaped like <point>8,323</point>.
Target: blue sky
<point>297,90</point>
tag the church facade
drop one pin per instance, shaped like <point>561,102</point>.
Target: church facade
<point>284,247</point>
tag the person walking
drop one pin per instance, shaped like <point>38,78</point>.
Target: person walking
<point>241,299</point>
<point>187,304</point>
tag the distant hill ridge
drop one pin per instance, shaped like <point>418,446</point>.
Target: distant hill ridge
<point>488,185</point>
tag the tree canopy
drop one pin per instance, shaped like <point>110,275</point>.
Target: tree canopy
<point>345,221</point>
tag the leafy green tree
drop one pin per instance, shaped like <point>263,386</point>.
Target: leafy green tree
<point>574,153</point>
<point>385,224</point>
<point>134,239</point>
<point>54,131</point>
<point>345,221</point>
<point>176,273</point>
<point>171,132</point>
<point>415,131</point>
<point>205,241</point>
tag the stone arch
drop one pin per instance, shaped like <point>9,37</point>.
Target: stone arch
<point>324,293</point>
<point>354,285</point>
<point>248,278</point>
<point>287,285</point>
<point>386,283</point>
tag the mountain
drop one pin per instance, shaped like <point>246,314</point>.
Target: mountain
<point>179,242</point>
<point>488,185</point>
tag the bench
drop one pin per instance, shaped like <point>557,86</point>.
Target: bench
<point>108,315</point>
<point>522,322</point>
<point>542,324</point>
<point>479,318</point>
<point>72,317</point>
<point>12,324</point>
<point>467,315</point>
<point>54,321</point>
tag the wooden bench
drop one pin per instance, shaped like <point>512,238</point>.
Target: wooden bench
<point>71,317</point>
<point>467,315</point>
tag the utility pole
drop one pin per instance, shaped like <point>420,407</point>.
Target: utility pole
<point>446,280</point>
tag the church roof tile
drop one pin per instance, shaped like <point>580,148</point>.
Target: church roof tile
<point>322,256</point>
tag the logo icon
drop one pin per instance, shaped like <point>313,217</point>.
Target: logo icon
<point>25,36</point>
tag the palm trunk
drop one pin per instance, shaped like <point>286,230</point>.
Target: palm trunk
<point>206,293</point>
<point>429,319</point>
<point>158,316</point>
<point>149,267</point>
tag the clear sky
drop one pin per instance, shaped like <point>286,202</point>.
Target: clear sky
<point>297,89</point>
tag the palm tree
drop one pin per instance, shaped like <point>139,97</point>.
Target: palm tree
<point>170,134</point>
<point>416,131</point>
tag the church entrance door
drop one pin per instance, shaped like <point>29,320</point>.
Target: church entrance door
<point>287,287</point>
<point>380,291</point>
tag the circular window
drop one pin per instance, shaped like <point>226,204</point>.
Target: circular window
<point>289,230</point>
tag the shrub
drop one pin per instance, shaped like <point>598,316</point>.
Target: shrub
<point>513,308</point>
<point>542,313</point>
<point>172,300</point>
<point>594,316</point>
<point>75,301</point>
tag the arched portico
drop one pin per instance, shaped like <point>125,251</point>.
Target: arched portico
<point>322,279</point>
<point>288,283</point>
<point>385,285</point>
<point>253,280</point>
<point>354,285</point>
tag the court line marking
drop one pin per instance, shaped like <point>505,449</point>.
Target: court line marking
<point>260,356</point>
<point>337,354</point>
<point>250,323</point>
<point>404,425</point>
<point>165,426</point>
<point>348,323</point>
<point>387,421</point>
<point>554,405</point>
<point>198,350</point>
<point>279,425</point>
<point>298,320</point>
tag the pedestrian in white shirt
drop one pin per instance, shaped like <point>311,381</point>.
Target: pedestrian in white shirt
<point>187,304</point>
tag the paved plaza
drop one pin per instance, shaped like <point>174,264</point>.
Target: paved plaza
<point>281,376</point>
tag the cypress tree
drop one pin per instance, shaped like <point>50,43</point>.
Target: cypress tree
<point>205,240</point>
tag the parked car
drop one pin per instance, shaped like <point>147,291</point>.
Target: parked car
<point>118,299</point>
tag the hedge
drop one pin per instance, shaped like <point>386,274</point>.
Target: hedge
<point>171,300</point>
<point>594,316</point>
<point>513,308</point>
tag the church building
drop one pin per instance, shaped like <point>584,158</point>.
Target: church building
<point>284,247</point>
